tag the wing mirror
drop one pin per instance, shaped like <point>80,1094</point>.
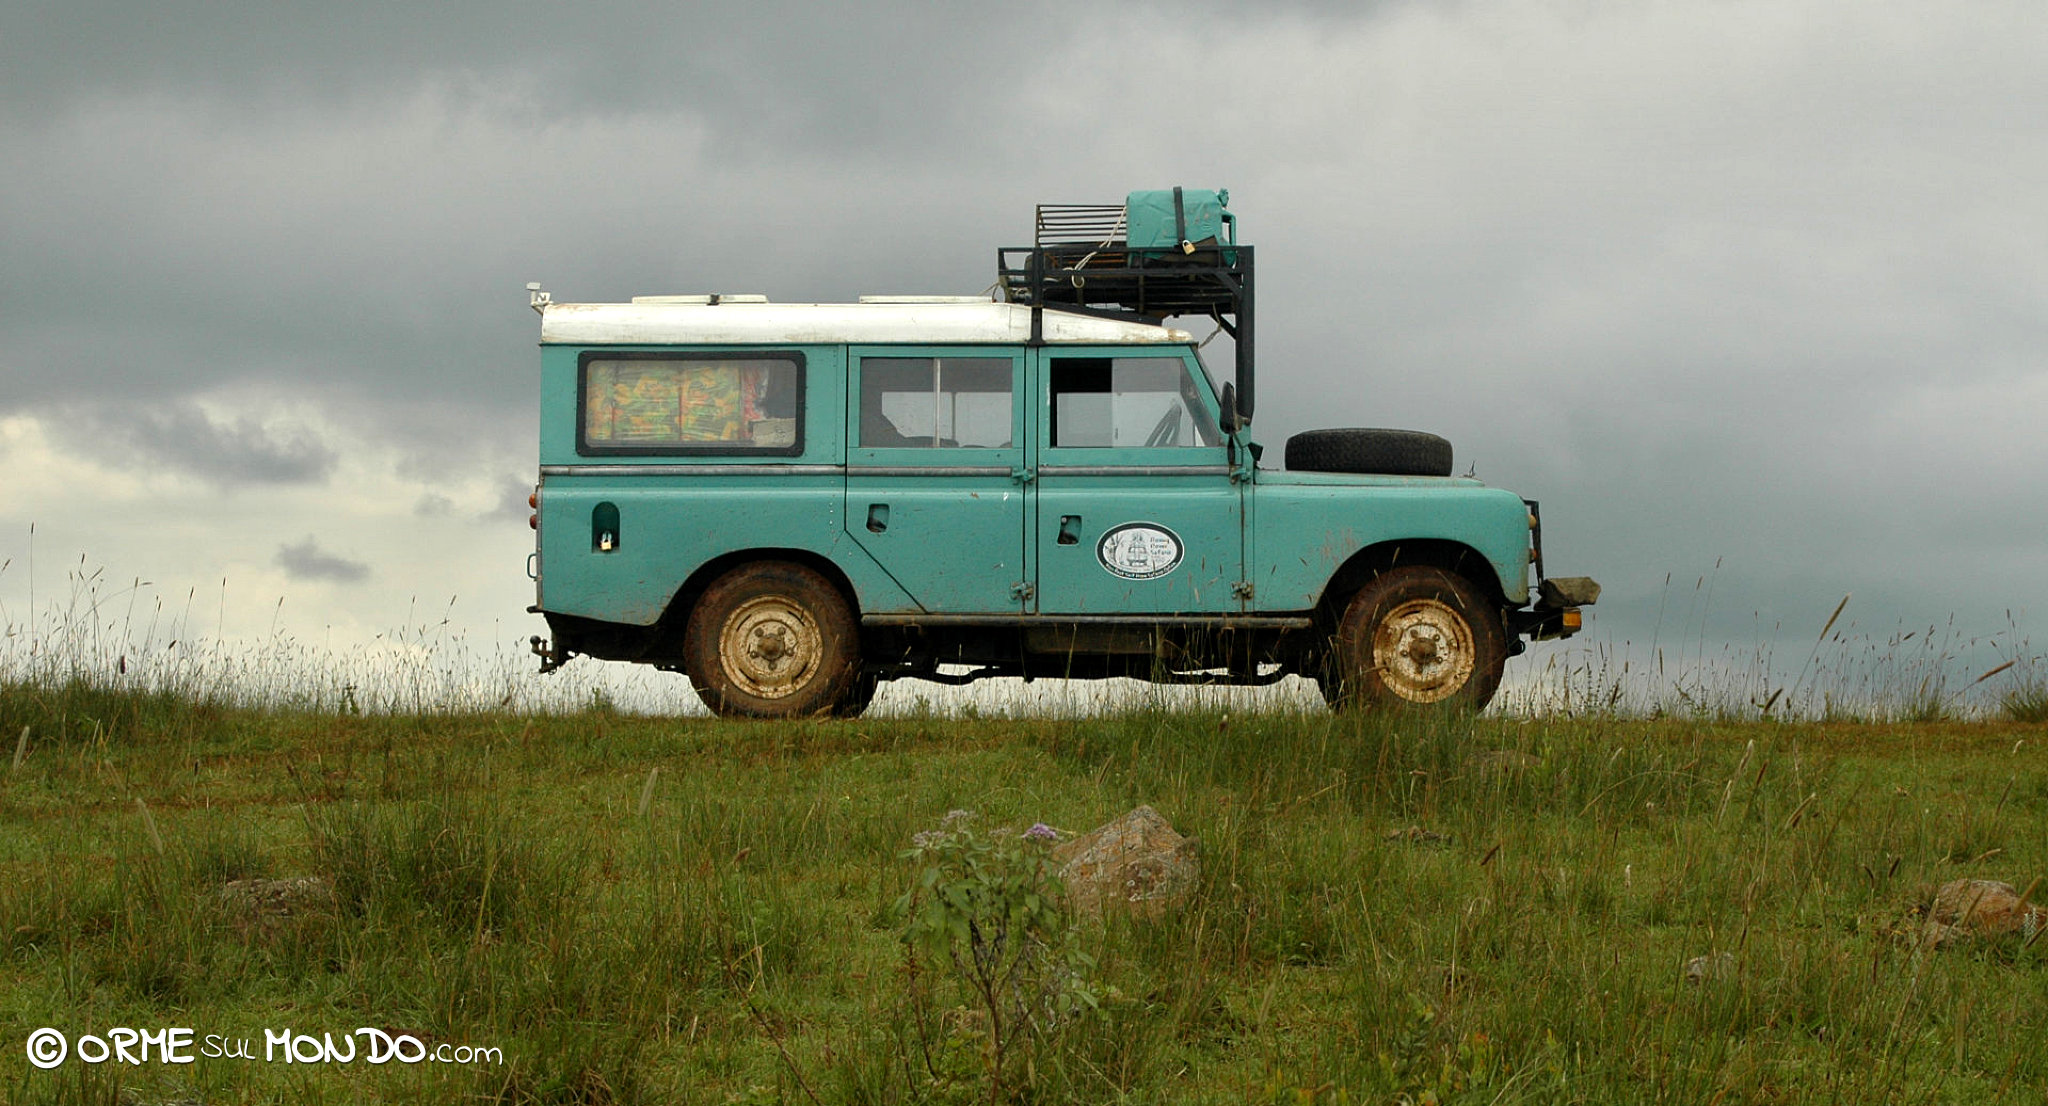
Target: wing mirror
<point>1232,421</point>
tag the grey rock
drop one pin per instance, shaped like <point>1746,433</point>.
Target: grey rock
<point>1136,862</point>
<point>1701,969</point>
<point>277,898</point>
<point>1964,909</point>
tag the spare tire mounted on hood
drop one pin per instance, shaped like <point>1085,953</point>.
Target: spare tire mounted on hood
<point>1375,451</point>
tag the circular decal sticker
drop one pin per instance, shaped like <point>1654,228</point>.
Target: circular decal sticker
<point>1139,551</point>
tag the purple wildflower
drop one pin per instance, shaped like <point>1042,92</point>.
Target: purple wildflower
<point>1039,831</point>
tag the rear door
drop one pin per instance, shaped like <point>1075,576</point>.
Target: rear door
<point>935,473</point>
<point>1137,513</point>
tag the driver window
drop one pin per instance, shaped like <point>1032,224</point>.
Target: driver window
<point>1127,402</point>
<point>935,402</point>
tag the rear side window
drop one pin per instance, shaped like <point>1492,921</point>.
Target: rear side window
<point>936,402</point>
<point>690,403</point>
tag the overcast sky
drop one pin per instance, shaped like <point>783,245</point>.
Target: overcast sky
<point>1748,293</point>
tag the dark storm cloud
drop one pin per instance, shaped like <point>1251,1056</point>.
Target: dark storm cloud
<point>307,561</point>
<point>845,75</point>
<point>1750,284</point>
<point>182,438</point>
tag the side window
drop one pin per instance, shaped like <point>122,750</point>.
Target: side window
<point>1126,402</point>
<point>737,403</point>
<point>936,402</point>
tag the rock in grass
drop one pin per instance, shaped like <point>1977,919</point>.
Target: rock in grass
<point>277,898</point>
<point>1980,908</point>
<point>1136,862</point>
<point>1700,969</point>
<point>1416,835</point>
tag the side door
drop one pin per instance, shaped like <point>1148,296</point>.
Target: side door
<point>935,473</point>
<point>1137,513</point>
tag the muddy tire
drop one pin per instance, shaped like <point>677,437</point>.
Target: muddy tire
<point>772,640</point>
<point>1416,638</point>
<point>1378,452</point>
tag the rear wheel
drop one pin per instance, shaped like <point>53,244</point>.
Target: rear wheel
<point>772,640</point>
<point>1416,638</point>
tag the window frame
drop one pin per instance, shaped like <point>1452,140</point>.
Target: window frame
<point>586,448</point>
<point>1204,409</point>
<point>866,361</point>
<point>1022,424</point>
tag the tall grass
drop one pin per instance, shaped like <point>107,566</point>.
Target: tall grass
<point>638,904</point>
<point>106,660</point>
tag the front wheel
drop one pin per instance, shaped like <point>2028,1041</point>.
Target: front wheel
<point>1419,638</point>
<point>772,640</point>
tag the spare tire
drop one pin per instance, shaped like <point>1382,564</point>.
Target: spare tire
<point>1382,452</point>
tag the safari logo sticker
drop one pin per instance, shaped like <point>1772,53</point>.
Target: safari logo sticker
<point>1140,551</point>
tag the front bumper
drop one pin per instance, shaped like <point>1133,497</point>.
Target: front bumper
<point>1556,612</point>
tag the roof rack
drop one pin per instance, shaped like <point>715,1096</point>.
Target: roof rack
<point>1082,259</point>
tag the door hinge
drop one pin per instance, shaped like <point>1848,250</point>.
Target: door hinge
<point>1023,592</point>
<point>1241,589</point>
<point>1023,475</point>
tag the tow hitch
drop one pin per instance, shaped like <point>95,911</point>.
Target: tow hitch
<point>550,657</point>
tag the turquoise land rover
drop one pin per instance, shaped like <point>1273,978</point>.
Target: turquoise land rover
<point>790,503</point>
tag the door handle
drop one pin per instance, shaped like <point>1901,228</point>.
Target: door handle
<point>878,517</point>
<point>1023,475</point>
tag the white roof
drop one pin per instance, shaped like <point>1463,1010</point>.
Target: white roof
<point>878,320</point>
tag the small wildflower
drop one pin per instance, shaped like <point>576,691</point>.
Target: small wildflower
<point>1039,831</point>
<point>953,816</point>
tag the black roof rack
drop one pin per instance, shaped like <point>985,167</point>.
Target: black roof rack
<point>1081,260</point>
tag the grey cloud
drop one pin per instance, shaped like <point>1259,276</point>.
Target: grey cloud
<point>433,505</point>
<point>184,438</point>
<point>509,505</point>
<point>512,500</point>
<point>892,72</point>
<point>307,561</point>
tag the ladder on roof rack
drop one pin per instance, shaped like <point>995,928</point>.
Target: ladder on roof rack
<point>1081,259</point>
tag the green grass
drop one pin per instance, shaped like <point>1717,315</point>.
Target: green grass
<point>2026,703</point>
<point>686,910</point>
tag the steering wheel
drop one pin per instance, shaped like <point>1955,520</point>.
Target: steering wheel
<point>1168,428</point>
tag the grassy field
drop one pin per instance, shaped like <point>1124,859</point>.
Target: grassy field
<point>680,910</point>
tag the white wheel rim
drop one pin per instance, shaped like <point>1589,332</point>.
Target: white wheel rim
<point>770,647</point>
<point>1424,651</point>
